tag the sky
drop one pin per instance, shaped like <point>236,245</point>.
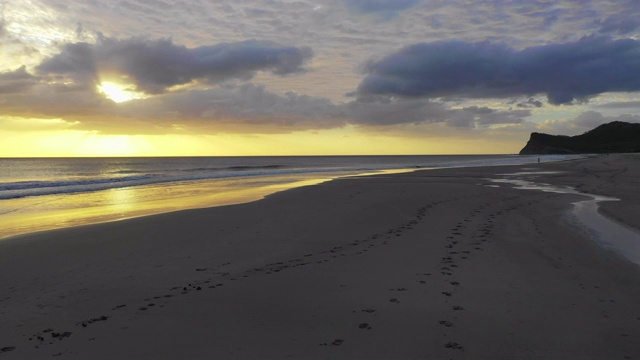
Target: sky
<point>302,77</point>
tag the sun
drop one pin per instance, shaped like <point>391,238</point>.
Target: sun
<point>117,92</point>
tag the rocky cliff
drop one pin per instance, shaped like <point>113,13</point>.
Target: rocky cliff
<point>614,137</point>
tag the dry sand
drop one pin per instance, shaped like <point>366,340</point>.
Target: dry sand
<point>423,265</point>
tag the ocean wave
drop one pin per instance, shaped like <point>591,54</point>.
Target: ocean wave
<point>39,188</point>
<point>36,188</point>
<point>23,185</point>
<point>132,177</point>
<point>124,172</point>
<point>234,168</point>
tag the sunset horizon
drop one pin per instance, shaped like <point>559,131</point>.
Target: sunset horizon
<point>344,77</point>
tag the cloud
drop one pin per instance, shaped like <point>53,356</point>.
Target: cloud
<point>621,24</point>
<point>582,123</point>
<point>243,108</point>
<point>384,8</point>
<point>620,105</point>
<point>530,103</point>
<point>153,66</point>
<point>487,116</point>
<point>17,81</point>
<point>564,72</point>
<point>239,108</point>
<point>384,111</point>
<point>35,97</point>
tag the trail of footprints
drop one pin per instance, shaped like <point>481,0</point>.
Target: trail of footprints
<point>217,277</point>
<point>468,237</point>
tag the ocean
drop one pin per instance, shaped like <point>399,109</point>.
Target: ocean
<point>46,193</point>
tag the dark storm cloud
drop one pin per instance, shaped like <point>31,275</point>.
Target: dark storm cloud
<point>563,72</point>
<point>154,66</point>
<point>385,8</point>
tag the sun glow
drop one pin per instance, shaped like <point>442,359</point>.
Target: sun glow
<point>117,92</point>
<point>106,145</point>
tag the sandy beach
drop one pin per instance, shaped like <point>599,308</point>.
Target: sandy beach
<point>434,264</point>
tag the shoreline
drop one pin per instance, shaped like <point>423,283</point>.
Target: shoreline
<point>29,214</point>
<point>227,198</point>
<point>429,263</point>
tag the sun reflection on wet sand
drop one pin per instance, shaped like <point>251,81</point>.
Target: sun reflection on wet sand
<point>39,213</point>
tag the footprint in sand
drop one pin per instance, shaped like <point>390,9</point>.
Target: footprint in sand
<point>91,321</point>
<point>454,346</point>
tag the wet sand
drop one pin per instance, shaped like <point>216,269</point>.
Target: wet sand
<point>437,264</point>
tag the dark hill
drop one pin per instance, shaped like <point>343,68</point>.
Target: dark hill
<point>614,137</point>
